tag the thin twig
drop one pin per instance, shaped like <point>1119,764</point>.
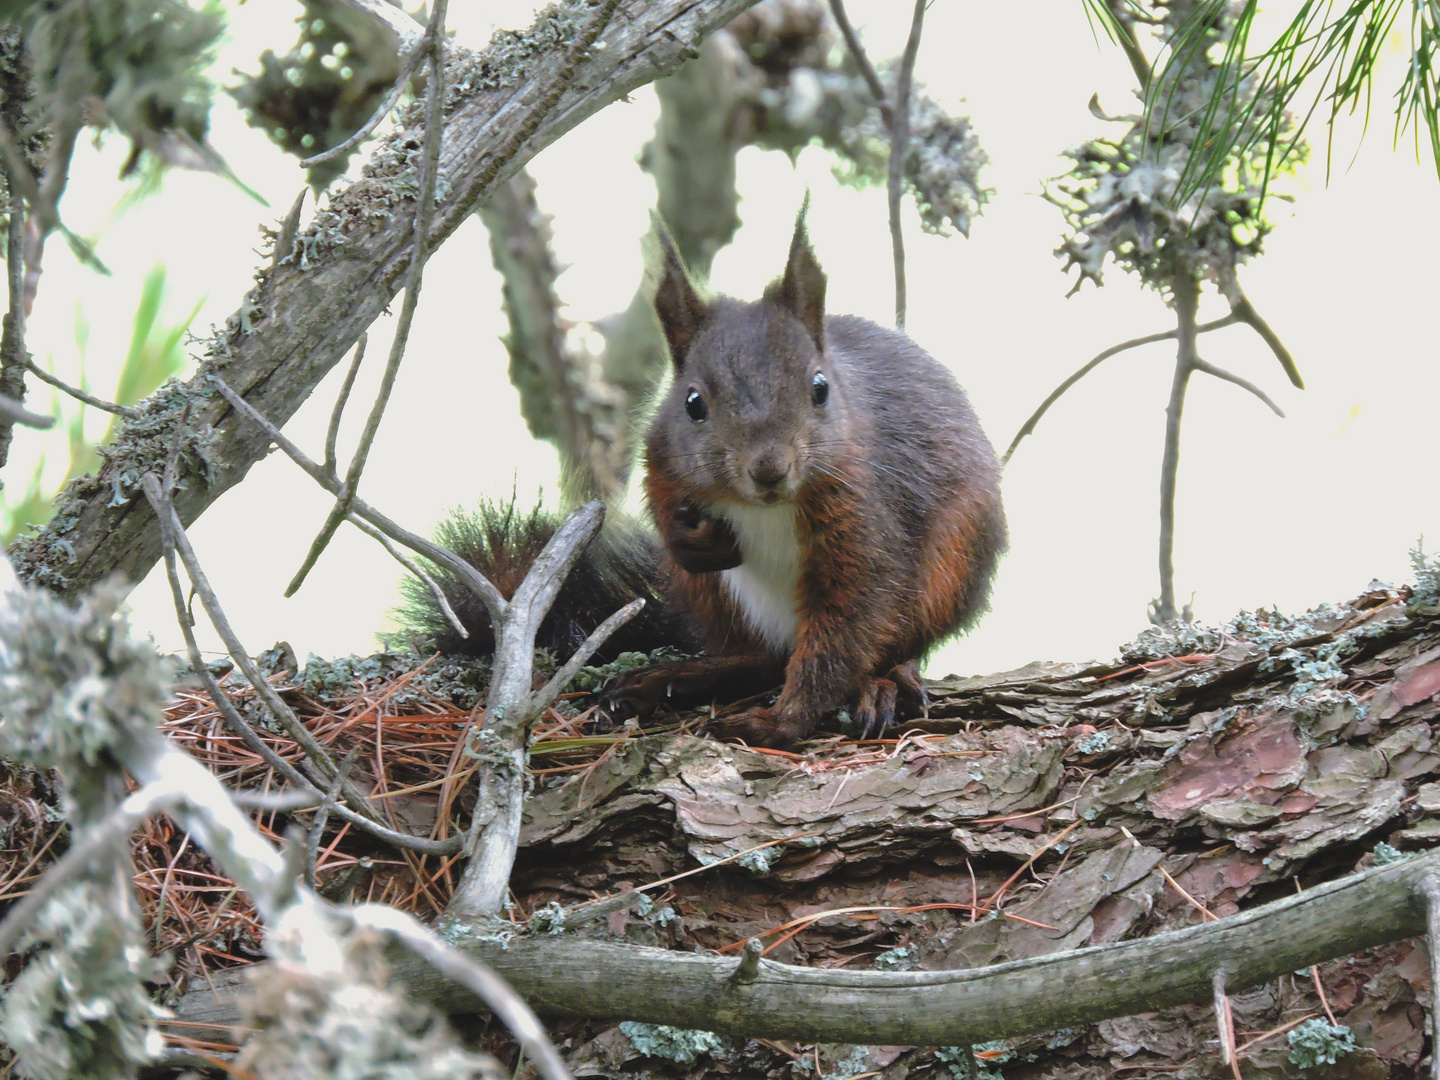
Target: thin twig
<point>1055,395</point>
<point>1244,384</point>
<point>489,987</point>
<point>253,675</point>
<point>407,70</point>
<point>1138,63</point>
<point>317,829</point>
<point>80,395</point>
<point>547,693</point>
<point>168,523</point>
<point>1246,313</point>
<point>332,433</point>
<point>424,213</point>
<point>867,69</point>
<point>1186,298</point>
<point>495,604</point>
<point>899,149</point>
<point>12,412</point>
<point>411,565</point>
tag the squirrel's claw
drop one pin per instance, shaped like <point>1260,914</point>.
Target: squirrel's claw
<point>916,698</point>
<point>875,710</point>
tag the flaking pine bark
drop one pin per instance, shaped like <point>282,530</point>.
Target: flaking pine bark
<point>1205,774</point>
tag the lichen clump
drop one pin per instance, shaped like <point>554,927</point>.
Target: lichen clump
<point>75,687</point>
<point>1135,199</point>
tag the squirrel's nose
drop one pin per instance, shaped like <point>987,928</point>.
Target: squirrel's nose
<point>768,472</point>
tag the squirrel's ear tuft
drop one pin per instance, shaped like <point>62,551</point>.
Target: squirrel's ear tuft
<point>679,307</point>
<point>802,288</point>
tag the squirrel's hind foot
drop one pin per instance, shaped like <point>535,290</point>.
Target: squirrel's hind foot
<point>900,690</point>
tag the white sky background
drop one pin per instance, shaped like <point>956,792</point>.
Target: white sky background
<point>1270,512</point>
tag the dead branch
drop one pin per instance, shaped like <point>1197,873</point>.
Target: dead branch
<point>300,321</point>
<point>579,977</point>
<point>1028,427</point>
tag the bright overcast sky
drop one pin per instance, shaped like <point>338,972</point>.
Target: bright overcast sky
<point>1271,512</point>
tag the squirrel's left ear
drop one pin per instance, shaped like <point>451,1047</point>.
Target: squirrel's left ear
<point>678,306</point>
<point>802,288</point>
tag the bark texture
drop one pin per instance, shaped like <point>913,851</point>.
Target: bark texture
<point>1203,774</point>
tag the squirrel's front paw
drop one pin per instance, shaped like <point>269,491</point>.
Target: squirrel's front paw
<point>700,542</point>
<point>637,691</point>
<point>761,727</point>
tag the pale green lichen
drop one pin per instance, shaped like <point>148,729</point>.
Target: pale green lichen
<point>349,1025</point>
<point>1385,855</point>
<point>1316,1042</point>
<point>1426,590</point>
<point>79,1009</point>
<point>75,688</point>
<point>141,444</point>
<point>680,1045</point>
<point>900,958</point>
<point>549,919</point>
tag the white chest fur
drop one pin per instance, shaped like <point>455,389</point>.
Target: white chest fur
<point>765,584</point>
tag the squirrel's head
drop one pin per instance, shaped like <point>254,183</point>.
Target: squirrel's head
<point>755,401</point>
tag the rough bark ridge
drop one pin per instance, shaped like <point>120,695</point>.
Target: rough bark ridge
<point>1034,812</point>
<point>347,265</point>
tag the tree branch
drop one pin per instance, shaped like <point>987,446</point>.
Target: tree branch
<point>332,433</point>
<point>299,322</point>
<point>899,147</point>
<point>867,69</point>
<point>1246,313</point>
<point>12,412</point>
<point>495,604</point>
<point>1029,426</point>
<point>1244,384</point>
<point>232,716</point>
<point>580,977</point>
<point>1187,292</point>
<point>78,394</point>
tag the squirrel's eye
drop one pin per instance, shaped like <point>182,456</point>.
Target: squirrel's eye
<point>695,406</point>
<point>819,389</point>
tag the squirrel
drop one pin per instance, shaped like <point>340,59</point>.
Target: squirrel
<point>827,504</point>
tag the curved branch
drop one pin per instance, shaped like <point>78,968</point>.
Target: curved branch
<point>1058,392</point>
<point>579,977</point>
<point>857,52</point>
<point>1244,384</point>
<point>78,394</point>
<point>1245,312</point>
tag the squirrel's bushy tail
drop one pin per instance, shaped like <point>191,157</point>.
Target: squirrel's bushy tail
<point>502,542</point>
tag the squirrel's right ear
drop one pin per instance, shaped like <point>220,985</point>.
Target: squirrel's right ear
<point>679,307</point>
